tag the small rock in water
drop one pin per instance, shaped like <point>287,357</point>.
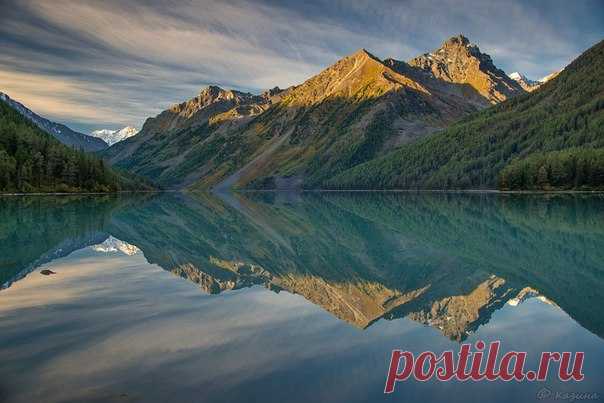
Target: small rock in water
<point>47,272</point>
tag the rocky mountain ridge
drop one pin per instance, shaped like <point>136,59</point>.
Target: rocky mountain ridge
<point>460,61</point>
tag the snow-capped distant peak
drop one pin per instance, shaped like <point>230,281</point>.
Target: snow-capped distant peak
<point>112,244</point>
<point>526,83</point>
<point>103,132</point>
<point>114,136</point>
<point>550,76</point>
<point>516,76</point>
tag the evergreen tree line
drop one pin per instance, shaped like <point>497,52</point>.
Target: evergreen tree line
<point>573,169</point>
<point>34,161</point>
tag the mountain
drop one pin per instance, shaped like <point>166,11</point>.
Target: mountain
<point>61,132</point>
<point>113,136</point>
<point>552,138</point>
<point>460,61</point>
<point>31,160</point>
<point>168,143</point>
<point>355,110</point>
<point>526,83</point>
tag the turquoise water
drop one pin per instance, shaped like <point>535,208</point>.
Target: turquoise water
<point>268,297</point>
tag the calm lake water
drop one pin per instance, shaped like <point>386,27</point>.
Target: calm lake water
<point>269,297</point>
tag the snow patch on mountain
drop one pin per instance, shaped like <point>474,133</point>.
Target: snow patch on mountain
<point>525,82</point>
<point>520,77</point>
<point>113,244</point>
<point>549,76</point>
<point>114,136</point>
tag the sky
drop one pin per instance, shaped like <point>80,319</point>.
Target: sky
<point>108,64</point>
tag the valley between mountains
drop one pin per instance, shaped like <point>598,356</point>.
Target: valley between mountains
<point>446,119</point>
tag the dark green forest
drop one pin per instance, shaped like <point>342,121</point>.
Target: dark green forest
<point>34,161</point>
<point>575,168</point>
<point>566,112</point>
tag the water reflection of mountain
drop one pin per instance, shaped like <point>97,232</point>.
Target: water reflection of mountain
<point>442,259</point>
<point>38,229</point>
<point>447,260</point>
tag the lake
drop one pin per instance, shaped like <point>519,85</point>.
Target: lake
<point>279,297</point>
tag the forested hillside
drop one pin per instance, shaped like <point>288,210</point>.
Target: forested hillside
<point>33,161</point>
<point>565,113</point>
<point>575,168</point>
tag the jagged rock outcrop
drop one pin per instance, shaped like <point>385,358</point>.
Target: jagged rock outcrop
<point>460,61</point>
<point>211,102</point>
<point>164,143</point>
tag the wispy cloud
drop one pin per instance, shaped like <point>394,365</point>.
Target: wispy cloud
<point>107,64</point>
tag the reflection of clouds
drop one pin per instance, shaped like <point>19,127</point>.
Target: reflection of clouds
<point>111,324</point>
<point>104,321</point>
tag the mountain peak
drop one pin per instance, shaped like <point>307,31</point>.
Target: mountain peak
<point>526,83</point>
<point>211,91</point>
<point>366,54</point>
<point>460,61</point>
<point>361,52</point>
<point>114,136</point>
<point>457,40</point>
<point>517,76</point>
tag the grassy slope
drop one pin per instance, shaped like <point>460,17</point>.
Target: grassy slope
<point>566,112</point>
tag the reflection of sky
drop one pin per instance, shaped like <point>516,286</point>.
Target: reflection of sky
<point>110,324</point>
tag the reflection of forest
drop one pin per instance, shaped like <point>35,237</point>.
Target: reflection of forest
<point>448,260</point>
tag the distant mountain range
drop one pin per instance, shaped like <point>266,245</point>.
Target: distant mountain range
<point>114,136</point>
<point>354,111</point>
<point>61,132</point>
